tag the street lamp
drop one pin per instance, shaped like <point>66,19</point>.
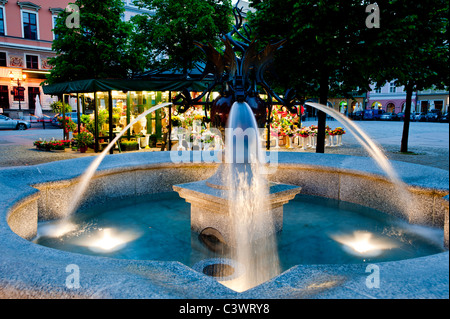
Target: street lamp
<point>19,88</point>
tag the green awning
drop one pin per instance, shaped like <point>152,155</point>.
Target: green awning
<point>89,86</point>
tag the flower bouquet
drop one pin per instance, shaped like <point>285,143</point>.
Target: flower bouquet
<point>176,121</point>
<point>338,132</point>
<point>83,140</point>
<point>207,139</point>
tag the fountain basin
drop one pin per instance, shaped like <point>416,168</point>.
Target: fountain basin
<point>38,192</point>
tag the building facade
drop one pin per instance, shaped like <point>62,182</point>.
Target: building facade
<point>26,38</point>
<point>432,99</point>
<point>390,98</point>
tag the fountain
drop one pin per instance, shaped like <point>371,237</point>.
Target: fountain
<point>195,230</point>
<point>239,204</point>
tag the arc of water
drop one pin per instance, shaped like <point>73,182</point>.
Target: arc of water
<point>375,152</point>
<point>87,175</point>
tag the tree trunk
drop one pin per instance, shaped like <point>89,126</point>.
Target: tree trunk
<point>409,93</point>
<point>321,116</point>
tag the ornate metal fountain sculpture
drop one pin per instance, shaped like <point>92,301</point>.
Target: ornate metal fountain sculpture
<point>211,200</point>
<point>238,71</point>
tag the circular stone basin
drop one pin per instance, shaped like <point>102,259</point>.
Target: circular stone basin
<point>316,230</point>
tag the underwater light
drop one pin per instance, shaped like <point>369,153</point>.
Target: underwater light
<point>108,242</point>
<point>364,243</point>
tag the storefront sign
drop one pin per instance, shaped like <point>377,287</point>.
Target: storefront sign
<point>19,93</point>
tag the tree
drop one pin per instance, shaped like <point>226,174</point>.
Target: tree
<point>98,48</point>
<point>169,32</point>
<point>412,48</point>
<point>325,53</point>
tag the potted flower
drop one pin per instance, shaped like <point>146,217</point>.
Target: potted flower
<point>57,146</point>
<point>38,144</point>
<point>303,133</point>
<point>84,139</point>
<point>176,121</point>
<point>338,132</point>
<point>207,139</point>
<point>313,135</point>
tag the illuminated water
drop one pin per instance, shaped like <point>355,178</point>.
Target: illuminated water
<point>315,231</point>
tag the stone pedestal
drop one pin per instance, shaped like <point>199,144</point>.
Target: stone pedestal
<point>210,208</point>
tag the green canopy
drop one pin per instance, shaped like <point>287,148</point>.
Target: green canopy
<point>88,86</point>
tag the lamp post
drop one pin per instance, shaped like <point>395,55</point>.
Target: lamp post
<point>24,76</point>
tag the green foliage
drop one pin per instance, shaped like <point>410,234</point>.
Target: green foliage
<point>85,119</point>
<point>84,139</point>
<point>100,48</point>
<point>168,35</point>
<point>325,45</point>
<point>57,107</point>
<point>411,46</point>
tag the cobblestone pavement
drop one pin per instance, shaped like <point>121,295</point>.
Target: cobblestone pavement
<point>428,144</point>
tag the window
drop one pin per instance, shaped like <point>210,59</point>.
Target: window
<point>29,25</point>
<point>3,59</point>
<point>55,18</point>
<point>4,97</point>
<point>2,22</point>
<point>392,88</point>
<point>378,90</point>
<point>32,62</point>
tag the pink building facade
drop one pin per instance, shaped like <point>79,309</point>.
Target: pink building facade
<point>389,98</point>
<point>26,38</point>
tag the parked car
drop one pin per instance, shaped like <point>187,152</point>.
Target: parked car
<point>444,118</point>
<point>401,116</point>
<point>72,115</point>
<point>433,115</point>
<point>30,118</point>
<point>373,114</point>
<point>389,117</point>
<point>359,115</point>
<point>8,123</point>
<point>420,117</point>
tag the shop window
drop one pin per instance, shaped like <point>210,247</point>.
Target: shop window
<point>4,97</point>
<point>32,62</point>
<point>29,25</point>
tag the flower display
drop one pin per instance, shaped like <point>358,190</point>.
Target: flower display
<point>207,137</point>
<point>313,130</point>
<point>84,139</point>
<point>339,131</point>
<point>303,132</point>
<point>283,122</point>
<point>176,120</point>
<point>67,123</point>
<point>51,145</point>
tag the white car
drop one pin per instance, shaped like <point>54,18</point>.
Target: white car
<point>8,123</point>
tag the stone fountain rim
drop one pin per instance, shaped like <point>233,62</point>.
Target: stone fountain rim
<point>40,269</point>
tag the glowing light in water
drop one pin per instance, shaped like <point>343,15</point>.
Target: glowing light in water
<point>107,241</point>
<point>363,243</point>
